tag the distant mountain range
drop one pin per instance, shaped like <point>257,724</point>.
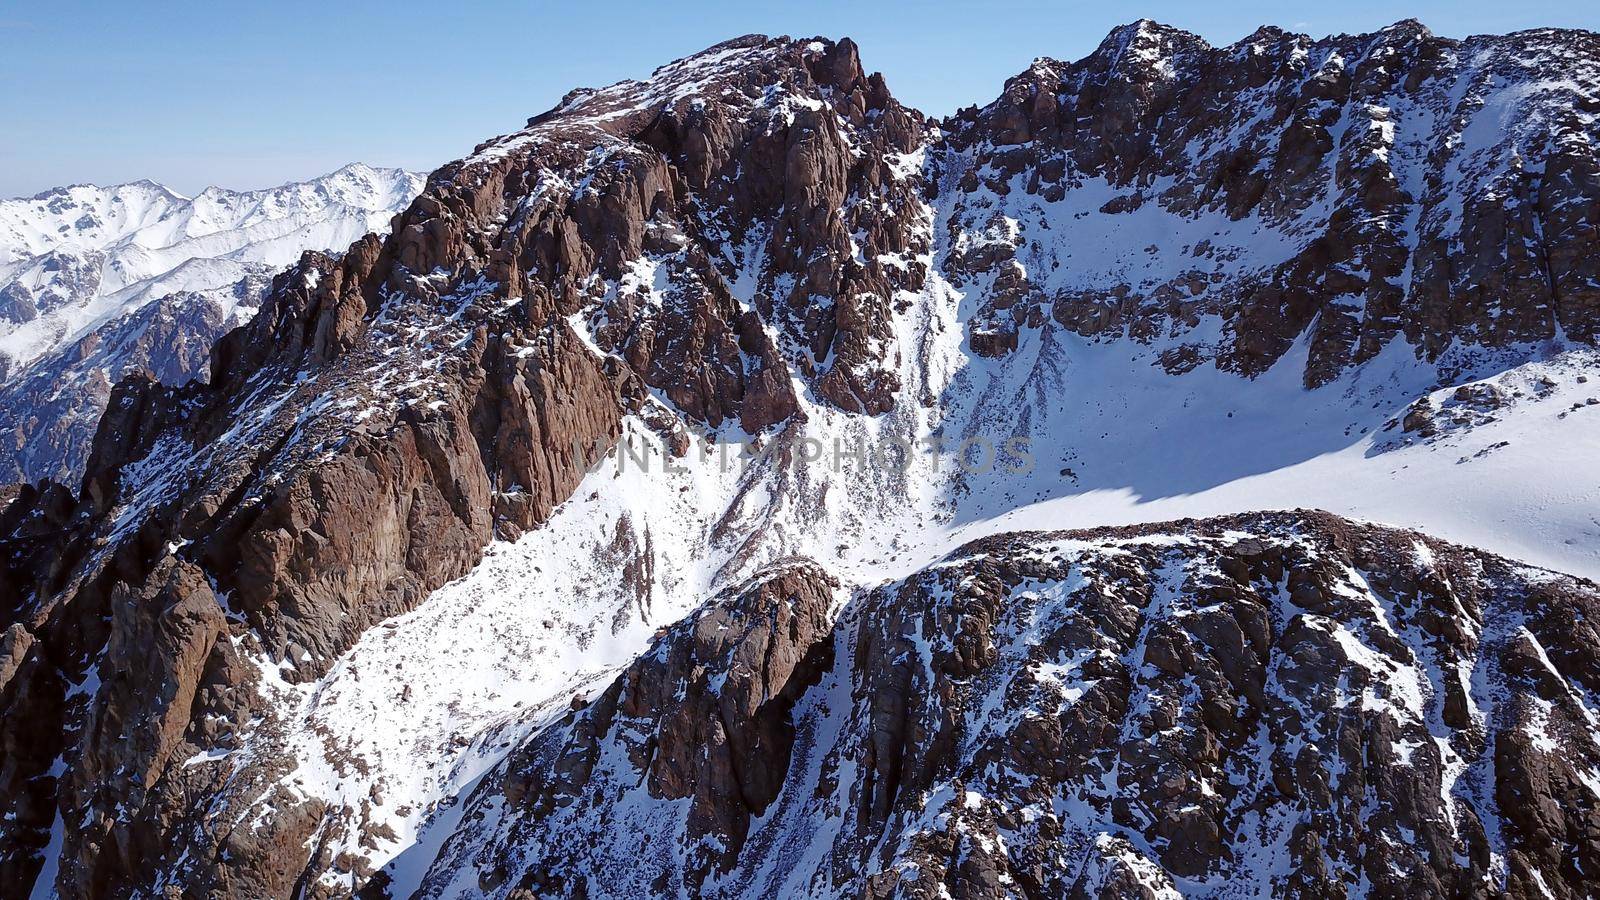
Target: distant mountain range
<point>97,281</point>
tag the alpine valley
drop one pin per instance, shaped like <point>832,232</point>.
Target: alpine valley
<point>1176,477</point>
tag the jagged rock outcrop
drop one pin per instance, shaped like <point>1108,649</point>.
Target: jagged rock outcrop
<point>51,411</point>
<point>707,720</point>
<point>1284,703</point>
<point>390,411</point>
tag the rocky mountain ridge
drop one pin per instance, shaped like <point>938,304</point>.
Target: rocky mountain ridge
<point>759,242</point>
<point>1348,175</point>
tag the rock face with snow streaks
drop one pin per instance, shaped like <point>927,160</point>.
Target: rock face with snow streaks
<point>759,242</point>
<point>1281,704</point>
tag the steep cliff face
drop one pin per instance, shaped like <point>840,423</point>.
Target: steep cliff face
<point>1277,704</point>
<point>391,411</point>
<point>263,651</point>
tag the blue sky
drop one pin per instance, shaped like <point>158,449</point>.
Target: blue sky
<point>253,95</point>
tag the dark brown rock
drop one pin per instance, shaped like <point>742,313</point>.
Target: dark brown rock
<point>1084,714</point>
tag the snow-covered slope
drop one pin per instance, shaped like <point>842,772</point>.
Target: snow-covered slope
<point>79,264</point>
<point>1114,440</point>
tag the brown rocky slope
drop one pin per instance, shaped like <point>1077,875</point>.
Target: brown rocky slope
<point>387,414</point>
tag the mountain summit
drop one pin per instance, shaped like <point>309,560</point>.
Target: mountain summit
<point>444,583</point>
